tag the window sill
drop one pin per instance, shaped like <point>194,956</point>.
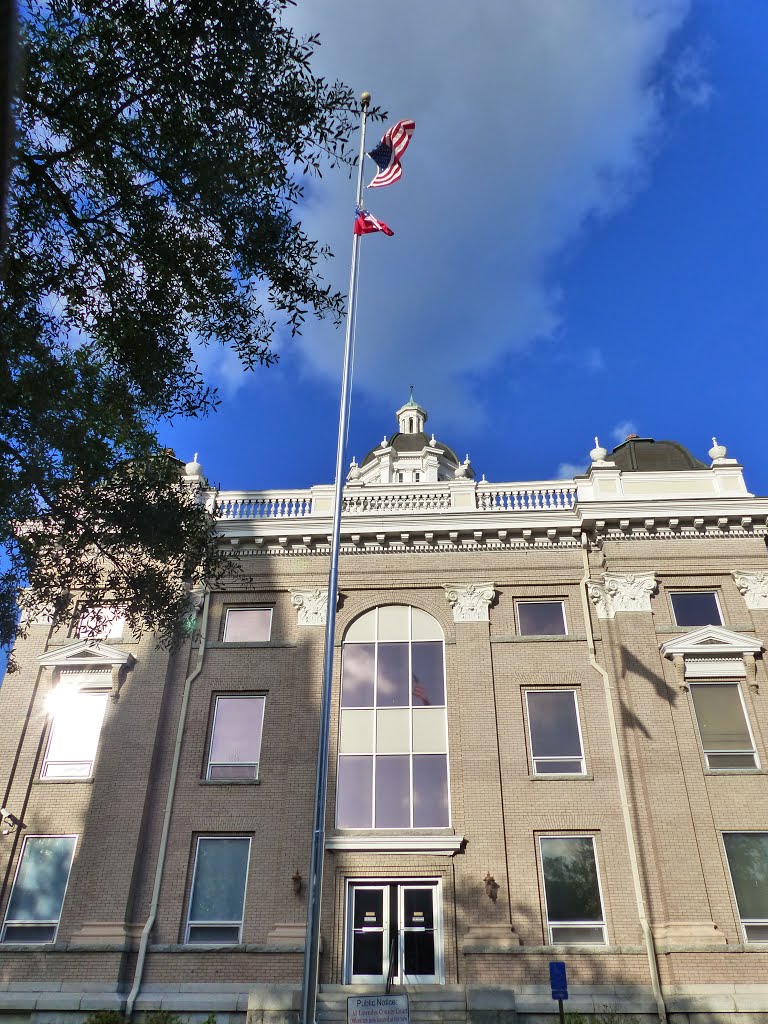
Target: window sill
<point>538,638</point>
<point>562,777</point>
<point>439,845</point>
<point>64,782</point>
<point>234,645</point>
<point>735,771</point>
<point>229,782</point>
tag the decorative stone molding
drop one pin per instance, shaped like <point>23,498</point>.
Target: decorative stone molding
<point>754,586</point>
<point>470,601</point>
<point>87,656</point>
<point>622,592</point>
<point>311,605</point>
<point>713,652</point>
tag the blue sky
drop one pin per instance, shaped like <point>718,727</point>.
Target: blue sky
<point>580,242</point>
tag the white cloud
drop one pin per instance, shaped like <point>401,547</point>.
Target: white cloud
<point>567,470</point>
<point>689,79</point>
<point>532,118</point>
<point>622,430</point>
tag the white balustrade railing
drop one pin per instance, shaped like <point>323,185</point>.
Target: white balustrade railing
<point>546,496</point>
<point>264,505</point>
<point>383,499</point>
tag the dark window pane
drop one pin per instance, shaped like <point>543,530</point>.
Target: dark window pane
<point>748,860</point>
<point>696,609</point>
<point>38,893</point>
<point>219,884</point>
<point>369,908</point>
<point>720,715</point>
<point>756,932</point>
<point>354,793</point>
<point>558,767</point>
<point>541,618</point>
<point>392,792</point>
<point>573,935</point>
<point>554,727</point>
<point>232,772</point>
<point>214,934</point>
<point>430,791</point>
<point>428,682</point>
<point>30,933</point>
<point>357,669</point>
<point>247,625</point>
<point>731,761</point>
<point>392,681</point>
<point>368,953</point>
<point>570,879</point>
<point>418,908</point>
<point>419,952</point>
<point>237,730</point>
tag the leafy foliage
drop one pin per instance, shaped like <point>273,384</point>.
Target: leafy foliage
<point>161,146</point>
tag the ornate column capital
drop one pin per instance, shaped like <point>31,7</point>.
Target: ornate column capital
<point>311,605</point>
<point>470,601</point>
<point>622,592</point>
<point>753,584</point>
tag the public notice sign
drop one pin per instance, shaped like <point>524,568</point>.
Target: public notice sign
<point>392,1009</point>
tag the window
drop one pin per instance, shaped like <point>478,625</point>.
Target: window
<point>393,740</point>
<point>541,618</point>
<point>37,897</point>
<point>394,927</point>
<point>574,906</point>
<point>724,730</point>
<point>236,738</point>
<point>400,477</point>
<point>217,900</point>
<point>553,724</point>
<point>699,608</point>
<point>416,477</point>
<point>247,625</point>
<point>747,854</point>
<point>104,623</point>
<point>77,716</point>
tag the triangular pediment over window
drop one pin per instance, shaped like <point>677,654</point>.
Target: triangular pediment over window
<point>712,652</point>
<point>87,655</point>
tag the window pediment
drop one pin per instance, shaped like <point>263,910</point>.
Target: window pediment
<point>83,654</point>
<point>713,651</point>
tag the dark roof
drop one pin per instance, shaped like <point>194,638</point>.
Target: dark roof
<point>412,443</point>
<point>643,454</point>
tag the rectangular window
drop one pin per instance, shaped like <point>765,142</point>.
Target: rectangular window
<point>541,618</point>
<point>104,623</point>
<point>574,905</point>
<point>77,719</point>
<point>699,608</point>
<point>247,625</point>
<point>37,897</point>
<point>236,738</point>
<point>726,738</point>
<point>747,854</point>
<point>553,723</point>
<point>217,900</point>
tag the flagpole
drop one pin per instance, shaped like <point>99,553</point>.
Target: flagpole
<point>315,882</point>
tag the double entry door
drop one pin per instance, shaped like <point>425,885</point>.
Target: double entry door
<point>394,931</point>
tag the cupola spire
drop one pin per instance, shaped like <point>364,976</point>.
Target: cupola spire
<point>411,417</point>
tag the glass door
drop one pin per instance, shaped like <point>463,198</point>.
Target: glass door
<point>397,920</point>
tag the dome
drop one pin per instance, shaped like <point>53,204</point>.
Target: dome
<point>644,455</point>
<point>407,443</point>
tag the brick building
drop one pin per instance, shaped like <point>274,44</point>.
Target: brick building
<point>548,742</point>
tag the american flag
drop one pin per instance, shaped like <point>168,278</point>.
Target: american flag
<point>419,693</point>
<point>387,154</point>
<point>365,223</point>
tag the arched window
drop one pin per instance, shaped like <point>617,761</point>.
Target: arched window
<point>393,736</point>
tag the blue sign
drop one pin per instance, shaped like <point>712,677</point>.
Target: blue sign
<point>557,979</point>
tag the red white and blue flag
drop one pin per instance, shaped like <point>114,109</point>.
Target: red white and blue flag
<point>366,224</point>
<point>387,154</point>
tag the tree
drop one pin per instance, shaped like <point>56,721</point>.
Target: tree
<point>161,149</point>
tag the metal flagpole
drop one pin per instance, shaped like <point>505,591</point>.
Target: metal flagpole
<point>315,883</point>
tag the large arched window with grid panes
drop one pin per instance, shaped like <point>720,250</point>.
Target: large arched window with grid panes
<point>393,728</point>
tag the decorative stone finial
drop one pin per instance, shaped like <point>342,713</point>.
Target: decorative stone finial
<point>194,468</point>
<point>598,453</point>
<point>354,470</point>
<point>717,451</point>
<point>433,439</point>
<point>464,471</point>
<point>384,442</point>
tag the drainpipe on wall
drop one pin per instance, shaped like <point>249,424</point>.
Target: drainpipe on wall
<point>629,830</point>
<point>144,941</point>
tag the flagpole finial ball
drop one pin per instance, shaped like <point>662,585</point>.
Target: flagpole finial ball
<point>365,99</point>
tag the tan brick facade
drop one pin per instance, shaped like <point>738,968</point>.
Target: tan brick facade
<point>677,807</point>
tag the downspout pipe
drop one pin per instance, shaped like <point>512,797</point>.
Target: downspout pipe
<point>144,940</point>
<point>629,830</point>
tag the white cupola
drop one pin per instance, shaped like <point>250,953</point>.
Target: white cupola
<point>411,417</point>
